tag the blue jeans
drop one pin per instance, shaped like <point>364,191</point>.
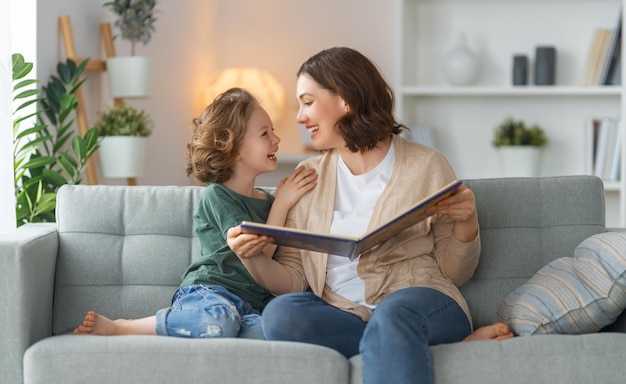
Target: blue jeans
<point>206,311</point>
<point>393,344</point>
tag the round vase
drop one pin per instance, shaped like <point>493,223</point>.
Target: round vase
<point>129,76</point>
<point>519,161</point>
<point>123,156</point>
<point>461,66</point>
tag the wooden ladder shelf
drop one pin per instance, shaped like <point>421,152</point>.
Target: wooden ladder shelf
<point>94,65</point>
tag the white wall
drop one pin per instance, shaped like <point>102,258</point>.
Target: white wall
<point>196,38</point>
<point>279,35</point>
<point>7,197</point>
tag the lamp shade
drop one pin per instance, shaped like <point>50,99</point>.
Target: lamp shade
<point>268,91</point>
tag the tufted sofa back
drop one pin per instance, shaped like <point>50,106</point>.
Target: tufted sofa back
<point>122,250</point>
<point>524,224</point>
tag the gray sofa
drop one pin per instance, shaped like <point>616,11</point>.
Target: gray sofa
<point>121,250</point>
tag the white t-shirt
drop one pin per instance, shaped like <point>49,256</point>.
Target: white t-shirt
<point>354,203</point>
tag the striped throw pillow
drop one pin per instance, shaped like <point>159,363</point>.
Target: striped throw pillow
<point>572,295</point>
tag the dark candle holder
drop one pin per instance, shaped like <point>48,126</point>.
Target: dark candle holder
<point>520,70</point>
<point>545,64</point>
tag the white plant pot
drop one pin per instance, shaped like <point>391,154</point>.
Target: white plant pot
<point>123,156</point>
<point>519,161</point>
<point>129,76</point>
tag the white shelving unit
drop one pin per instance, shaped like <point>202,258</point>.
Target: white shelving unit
<point>462,118</point>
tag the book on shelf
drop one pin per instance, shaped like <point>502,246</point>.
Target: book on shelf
<point>597,48</point>
<point>611,74</point>
<point>615,167</point>
<point>604,147</point>
<point>603,58</point>
<point>350,246</point>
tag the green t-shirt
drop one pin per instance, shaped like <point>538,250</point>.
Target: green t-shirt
<point>218,210</point>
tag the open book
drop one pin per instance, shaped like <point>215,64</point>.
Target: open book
<point>349,246</point>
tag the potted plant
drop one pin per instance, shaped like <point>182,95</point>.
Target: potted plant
<point>47,152</point>
<point>124,131</point>
<point>129,76</point>
<point>519,147</point>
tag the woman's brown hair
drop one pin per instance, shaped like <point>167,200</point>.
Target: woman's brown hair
<point>217,136</point>
<point>357,80</point>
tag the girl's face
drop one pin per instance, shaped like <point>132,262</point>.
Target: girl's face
<point>319,111</point>
<point>258,148</point>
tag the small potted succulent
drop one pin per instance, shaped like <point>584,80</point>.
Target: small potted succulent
<point>129,76</point>
<point>124,131</point>
<point>519,147</point>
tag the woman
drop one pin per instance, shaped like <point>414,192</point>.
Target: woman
<point>392,303</point>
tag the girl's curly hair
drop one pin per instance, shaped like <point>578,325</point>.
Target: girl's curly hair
<point>217,136</point>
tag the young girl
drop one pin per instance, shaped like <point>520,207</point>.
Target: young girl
<point>233,142</point>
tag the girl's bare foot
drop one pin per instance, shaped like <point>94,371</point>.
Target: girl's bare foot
<point>96,324</point>
<point>496,331</point>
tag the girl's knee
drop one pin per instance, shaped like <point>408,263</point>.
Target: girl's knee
<point>219,320</point>
<point>216,320</point>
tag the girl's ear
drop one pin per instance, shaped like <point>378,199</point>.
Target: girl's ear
<point>238,157</point>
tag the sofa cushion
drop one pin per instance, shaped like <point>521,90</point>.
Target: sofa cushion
<point>122,250</point>
<point>554,359</point>
<point>572,295</point>
<point>525,223</point>
<point>141,359</point>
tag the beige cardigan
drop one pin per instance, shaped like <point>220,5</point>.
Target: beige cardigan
<point>425,255</point>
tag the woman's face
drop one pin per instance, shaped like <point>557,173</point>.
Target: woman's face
<point>319,111</point>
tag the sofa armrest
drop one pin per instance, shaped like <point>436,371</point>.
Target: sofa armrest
<point>27,268</point>
<point>616,229</point>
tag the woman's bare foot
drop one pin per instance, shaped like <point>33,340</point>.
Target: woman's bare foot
<point>496,331</point>
<point>96,324</point>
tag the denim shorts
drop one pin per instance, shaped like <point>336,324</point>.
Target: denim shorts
<point>208,311</point>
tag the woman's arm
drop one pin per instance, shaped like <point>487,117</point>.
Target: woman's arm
<point>462,208</point>
<point>251,250</point>
<point>457,242</point>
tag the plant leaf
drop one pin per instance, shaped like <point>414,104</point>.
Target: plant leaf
<point>66,166</point>
<point>20,67</point>
<point>54,178</point>
<point>24,83</point>
<point>80,149</point>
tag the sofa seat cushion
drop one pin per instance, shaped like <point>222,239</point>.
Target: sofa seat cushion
<point>156,359</point>
<point>572,295</point>
<point>554,359</point>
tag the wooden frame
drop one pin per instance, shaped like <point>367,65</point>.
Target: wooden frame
<point>95,65</point>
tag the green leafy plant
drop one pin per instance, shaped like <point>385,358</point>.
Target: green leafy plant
<point>515,132</point>
<point>124,120</point>
<point>136,20</point>
<point>41,160</point>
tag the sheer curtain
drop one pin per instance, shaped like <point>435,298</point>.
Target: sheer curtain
<point>17,35</point>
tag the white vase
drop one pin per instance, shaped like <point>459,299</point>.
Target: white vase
<point>461,66</point>
<point>123,156</point>
<point>129,76</point>
<point>519,161</point>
